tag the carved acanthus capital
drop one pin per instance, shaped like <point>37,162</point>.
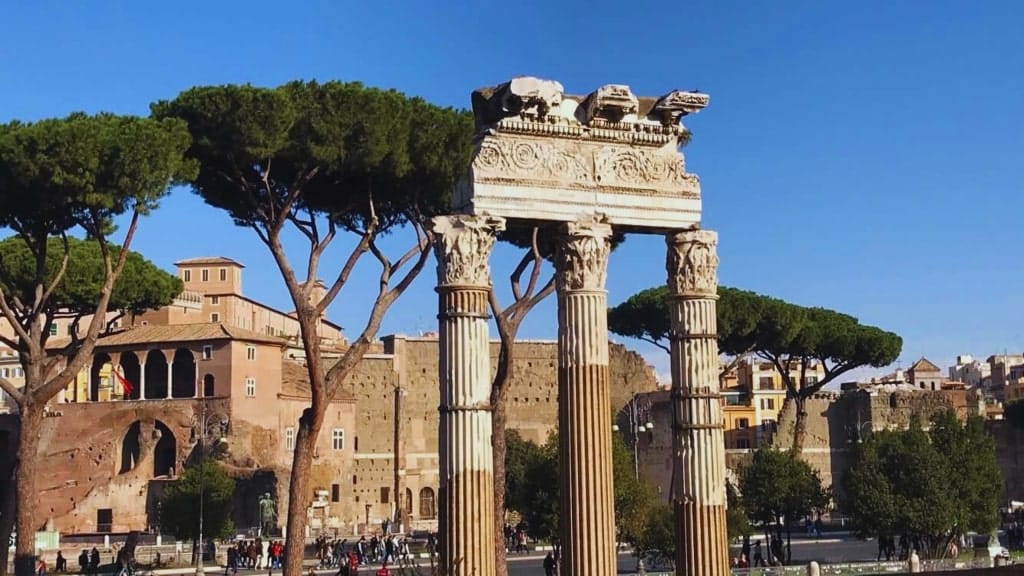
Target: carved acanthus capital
<point>521,95</point>
<point>676,104</point>
<point>463,245</point>
<point>581,259</point>
<point>693,263</point>
<point>611,102</point>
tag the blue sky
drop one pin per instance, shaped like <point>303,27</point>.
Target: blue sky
<point>863,156</point>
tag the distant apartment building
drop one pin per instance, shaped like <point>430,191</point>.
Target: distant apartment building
<point>971,371</point>
<point>767,391</point>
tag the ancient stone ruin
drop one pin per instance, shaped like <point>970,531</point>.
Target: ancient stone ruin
<point>583,168</point>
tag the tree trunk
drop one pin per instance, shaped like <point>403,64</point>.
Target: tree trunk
<point>498,447</point>
<point>7,511</point>
<point>800,425</point>
<point>31,421</point>
<point>298,489</point>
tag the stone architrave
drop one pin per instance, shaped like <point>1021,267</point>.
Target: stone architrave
<point>584,408</point>
<point>466,515</point>
<point>698,459</point>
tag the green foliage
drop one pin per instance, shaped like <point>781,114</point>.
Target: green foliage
<point>340,145</point>
<point>736,520</point>
<point>179,506</point>
<point>634,498</point>
<point>779,489</point>
<point>658,538</point>
<point>531,483</point>
<point>784,333</point>
<point>59,174</point>
<point>141,286</point>
<point>927,486</point>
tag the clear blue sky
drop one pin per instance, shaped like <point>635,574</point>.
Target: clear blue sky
<point>864,156</point>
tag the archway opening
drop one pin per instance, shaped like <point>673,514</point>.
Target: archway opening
<point>165,453</point>
<point>131,369</point>
<point>183,374</point>
<point>130,447</point>
<point>99,376</point>
<point>208,385</point>
<point>156,375</point>
<point>427,508</point>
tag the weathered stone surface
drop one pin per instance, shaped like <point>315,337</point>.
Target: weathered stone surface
<point>545,156</point>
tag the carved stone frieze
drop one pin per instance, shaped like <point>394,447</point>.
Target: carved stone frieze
<point>521,95</point>
<point>531,159</point>
<point>581,259</point>
<point>462,245</point>
<point>630,166</point>
<point>693,262</point>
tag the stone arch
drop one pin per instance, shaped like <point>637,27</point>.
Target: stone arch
<point>428,509</point>
<point>101,365</point>
<point>165,451</point>
<point>131,448</point>
<point>209,385</point>
<point>183,374</point>
<point>156,375</point>
<point>131,369</point>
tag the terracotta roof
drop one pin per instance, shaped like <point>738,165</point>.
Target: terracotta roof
<point>295,382</point>
<point>924,365</point>
<point>185,333</point>
<point>209,260</point>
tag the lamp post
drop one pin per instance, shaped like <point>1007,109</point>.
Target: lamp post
<point>638,414</point>
<point>204,421</point>
<point>860,427</point>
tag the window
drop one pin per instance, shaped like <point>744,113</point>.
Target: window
<point>427,508</point>
<point>4,373</point>
<point>188,275</point>
<point>206,275</point>
<point>338,438</point>
<point>385,495</point>
<point>355,443</point>
<point>335,488</point>
<point>250,352</point>
<point>104,520</point>
<point>767,425</point>
<point>742,423</point>
<point>207,352</point>
<point>289,438</point>
<point>250,387</point>
<point>215,317</point>
<point>771,403</point>
<point>53,329</point>
<point>214,300</point>
<point>743,444</point>
<point>810,380</point>
<point>765,383</point>
<point>223,274</point>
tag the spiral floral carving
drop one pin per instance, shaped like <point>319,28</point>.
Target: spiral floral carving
<point>526,156</point>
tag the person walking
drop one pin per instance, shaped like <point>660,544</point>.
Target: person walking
<point>549,564</point>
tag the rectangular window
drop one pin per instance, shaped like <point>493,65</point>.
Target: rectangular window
<point>338,439</point>
<point>250,387</point>
<point>215,317</point>
<point>335,492</point>
<point>207,352</point>
<point>53,329</point>
<point>214,300</point>
<point>289,438</point>
<point>223,274</point>
<point>188,275</point>
<point>385,495</point>
<point>104,520</point>
<point>742,423</point>
<point>743,444</point>
<point>810,380</point>
<point>205,275</point>
<point>765,383</point>
<point>771,404</point>
<point>4,373</point>
<point>250,352</point>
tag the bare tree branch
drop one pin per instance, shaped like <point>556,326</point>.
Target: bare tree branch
<point>346,270</point>
<point>48,291</point>
<point>14,321</point>
<point>11,390</point>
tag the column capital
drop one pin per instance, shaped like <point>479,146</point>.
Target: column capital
<point>462,246</point>
<point>693,263</point>
<point>581,255</point>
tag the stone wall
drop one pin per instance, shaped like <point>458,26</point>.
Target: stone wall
<point>409,368</point>
<point>826,445</point>
<point>1010,456</point>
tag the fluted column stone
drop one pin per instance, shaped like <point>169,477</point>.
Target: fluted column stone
<point>466,514</point>
<point>698,488</point>
<point>584,407</point>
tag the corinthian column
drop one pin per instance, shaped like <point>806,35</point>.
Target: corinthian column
<point>584,408</point>
<point>698,487</point>
<point>466,520</point>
